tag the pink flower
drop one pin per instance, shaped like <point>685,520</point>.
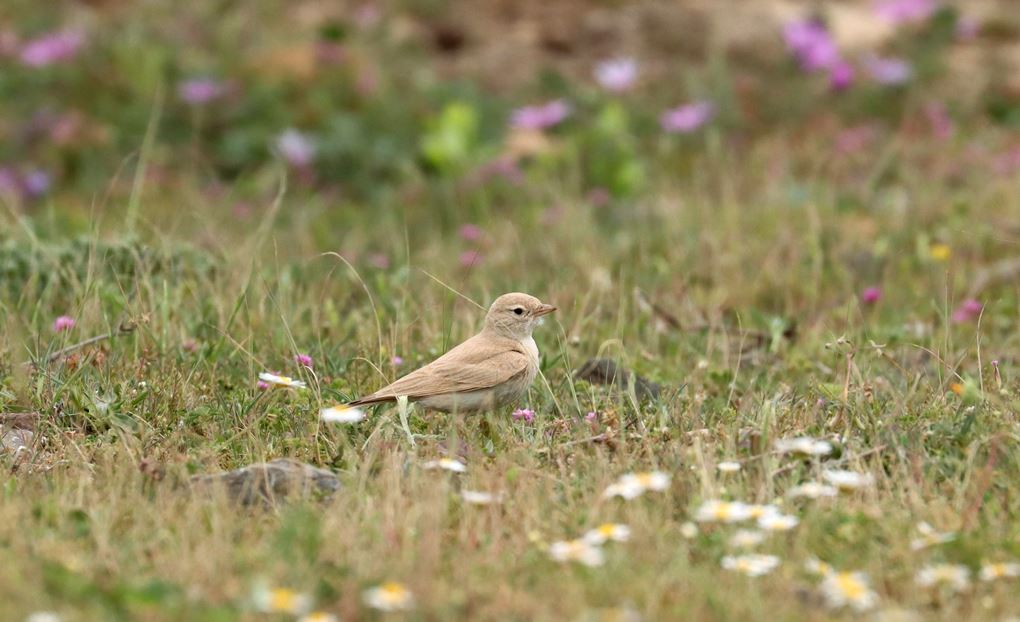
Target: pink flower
<point>542,116</point>
<point>262,385</point>
<point>303,360</point>
<point>904,11</point>
<point>62,323</point>
<point>52,48</point>
<point>591,417</point>
<point>189,345</point>
<point>810,42</point>
<point>526,414</point>
<point>941,123</point>
<point>688,118</point>
<point>967,28</point>
<point>397,361</point>
<point>379,260</point>
<point>296,148</point>
<point>841,75</point>
<point>616,74</point>
<point>889,71</point>
<point>470,258</point>
<point>471,233</point>
<point>503,167</point>
<point>36,183</point>
<point>968,310</point>
<point>854,139</point>
<point>599,197</point>
<point>871,295</point>
<point>197,91</point>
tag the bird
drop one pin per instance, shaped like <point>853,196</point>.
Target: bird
<point>488,371</point>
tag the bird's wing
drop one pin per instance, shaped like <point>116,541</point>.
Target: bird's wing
<point>474,365</point>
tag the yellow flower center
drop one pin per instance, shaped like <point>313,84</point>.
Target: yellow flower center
<point>852,587</point>
<point>607,529</point>
<point>723,511</point>
<point>393,591</point>
<point>645,479</point>
<point>282,599</point>
<point>940,252</point>
<point>997,570</point>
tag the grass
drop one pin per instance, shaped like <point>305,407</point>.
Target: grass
<point>727,266</point>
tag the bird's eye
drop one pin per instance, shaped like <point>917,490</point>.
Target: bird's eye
<point>518,311</point>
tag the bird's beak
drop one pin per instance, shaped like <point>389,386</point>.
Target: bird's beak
<point>544,310</point>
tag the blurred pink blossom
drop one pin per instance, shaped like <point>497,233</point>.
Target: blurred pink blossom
<point>871,295</point>
<point>397,361</point>
<point>36,183</point>
<point>968,310</point>
<point>52,48</point>
<point>599,197</point>
<point>591,417</point>
<point>687,118</point>
<point>904,11</point>
<point>470,232</point>
<point>303,360</point>
<point>296,148</point>
<point>854,139</point>
<point>197,91</point>
<point>810,42</point>
<point>261,384</point>
<point>379,260</point>
<point>526,414</point>
<point>841,75</point>
<point>889,71</point>
<point>542,116</point>
<point>967,28</point>
<point>63,323</point>
<point>503,167</point>
<point>469,258</point>
<point>617,74</point>
<point>938,117</point>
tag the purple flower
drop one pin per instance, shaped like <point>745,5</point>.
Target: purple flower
<point>36,183</point>
<point>542,116</point>
<point>262,385</point>
<point>889,71</point>
<point>197,91</point>
<point>303,360</point>
<point>526,414</point>
<point>296,148</point>
<point>810,42</point>
<point>469,232</point>
<point>904,11</point>
<point>397,361</point>
<point>63,323</point>
<point>616,74</point>
<point>871,295</point>
<point>687,118</point>
<point>968,310</point>
<point>841,75</point>
<point>51,48</point>
<point>941,123</point>
<point>591,417</point>
<point>469,258</point>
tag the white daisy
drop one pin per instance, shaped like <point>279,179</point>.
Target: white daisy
<point>281,381</point>
<point>579,550</point>
<point>930,537</point>
<point>817,567</point>
<point>715,511</point>
<point>759,511</point>
<point>812,490</point>
<point>751,565</point>
<point>956,576</point>
<point>847,480</point>
<point>342,414</point>
<point>746,539</point>
<point>689,530</point>
<point>777,522</point>
<point>447,464</point>
<point>804,445</point>
<point>477,497</point>
<point>281,600</point>
<point>1001,570</point>
<point>842,589</point>
<point>608,531</point>
<point>632,485</point>
<point>728,467</point>
<point>390,596</point>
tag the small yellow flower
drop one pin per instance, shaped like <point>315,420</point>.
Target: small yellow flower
<point>390,596</point>
<point>848,589</point>
<point>940,252</point>
<point>608,531</point>
<point>1001,570</point>
<point>282,600</point>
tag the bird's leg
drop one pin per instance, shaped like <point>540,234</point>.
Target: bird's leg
<point>403,406</point>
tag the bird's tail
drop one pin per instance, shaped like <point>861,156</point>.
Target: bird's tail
<point>368,400</point>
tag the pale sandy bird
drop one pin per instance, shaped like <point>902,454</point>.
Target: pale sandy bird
<point>489,370</point>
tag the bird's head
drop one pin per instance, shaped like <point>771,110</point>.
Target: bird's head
<point>515,315</point>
